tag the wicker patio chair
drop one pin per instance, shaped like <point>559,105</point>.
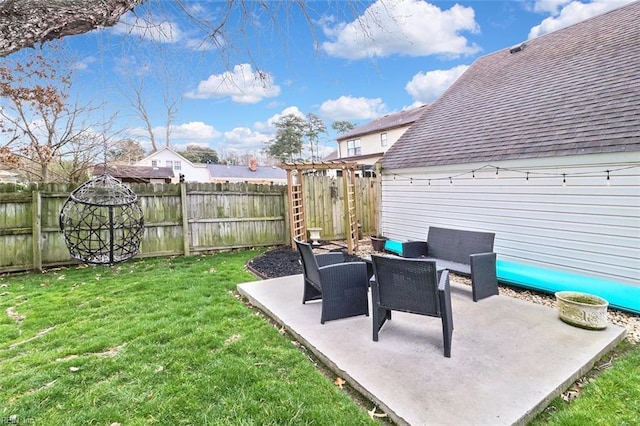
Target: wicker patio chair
<point>342,286</point>
<point>411,285</point>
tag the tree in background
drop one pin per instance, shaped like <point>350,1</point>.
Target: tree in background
<point>40,125</point>
<point>315,126</point>
<point>342,126</point>
<point>200,154</point>
<point>126,151</point>
<point>167,92</point>
<point>79,159</point>
<point>287,144</point>
<point>231,158</point>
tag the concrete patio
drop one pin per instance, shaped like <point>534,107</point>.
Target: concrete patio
<point>509,357</point>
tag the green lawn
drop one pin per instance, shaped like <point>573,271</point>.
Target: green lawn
<point>168,342</point>
<point>610,397</point>
<point>162,341</point>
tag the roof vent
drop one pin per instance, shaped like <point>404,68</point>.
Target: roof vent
<point>518,48</point>
<point>253,165</point>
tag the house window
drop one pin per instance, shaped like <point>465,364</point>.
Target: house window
<point>353,147</point>
<point>154,163</point>
<point>177,165</point>
<point>169,163</point>
<point>383,139</point>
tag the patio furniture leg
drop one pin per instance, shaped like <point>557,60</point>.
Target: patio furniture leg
<point>444,296</point>
<point>484,280</point>
<point>380,316</point>
<point>310,293</point>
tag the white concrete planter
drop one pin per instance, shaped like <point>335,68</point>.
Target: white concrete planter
<point>582,310</point>
<point>314,234</point>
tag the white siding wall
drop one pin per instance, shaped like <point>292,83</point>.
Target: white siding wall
<point>370,143</point>
<point>192,173</point>
<point>587,226</point>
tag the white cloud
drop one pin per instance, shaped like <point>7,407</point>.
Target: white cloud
<point>83,64</point>
<point>243,139</point>
<point>427,87</point>
<point>163,32</point>
<point>549,6</point>
<point>194,130</point>
<point>572,13</point>
<point>243,85</point>
<point>407,27</point>
<point>269,127</point>
<point>350,108</point>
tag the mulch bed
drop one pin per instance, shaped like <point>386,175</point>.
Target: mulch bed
<point>283,260</point>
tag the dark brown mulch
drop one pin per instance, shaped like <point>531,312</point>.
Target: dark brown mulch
<point>282,261</point>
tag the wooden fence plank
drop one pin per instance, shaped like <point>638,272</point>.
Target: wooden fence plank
<point>36,215</point>
<point>201,218</point>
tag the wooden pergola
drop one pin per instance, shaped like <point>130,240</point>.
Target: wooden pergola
<point>295,176</point>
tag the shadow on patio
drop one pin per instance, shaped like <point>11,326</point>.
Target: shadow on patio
<point>509,357</point>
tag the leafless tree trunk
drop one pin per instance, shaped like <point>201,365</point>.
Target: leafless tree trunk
<point>171,98</point>
<point>76,163</point>
<point>137,102</point>
<point>171,106</point>
<point>24,23</point>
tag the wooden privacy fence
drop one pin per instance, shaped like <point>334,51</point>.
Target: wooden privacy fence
<point>325,207</point>
<point>180,219</point>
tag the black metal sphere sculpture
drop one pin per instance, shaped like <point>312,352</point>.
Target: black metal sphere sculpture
<point>102,222</point>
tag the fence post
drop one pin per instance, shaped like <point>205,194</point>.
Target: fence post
<point>36,228</point>
<point>185,217</point>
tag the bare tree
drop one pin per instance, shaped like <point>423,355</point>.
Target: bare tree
<point>24,23</point>
<point>39,123</point>
<point>139,104</point>
<point>139,99</point>
<point>79,157</point>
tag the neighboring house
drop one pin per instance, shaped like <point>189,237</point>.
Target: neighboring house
<point>367,143</point>
<point>540,144</point>
<point>333,156</point>
<point>137,174</point>
<point>251,173</point>
<point>9,176</point>
<point>167,157</point>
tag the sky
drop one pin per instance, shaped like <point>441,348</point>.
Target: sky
<point>339,60</point>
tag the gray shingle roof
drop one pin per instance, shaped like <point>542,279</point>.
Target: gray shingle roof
<point>222,171</point>
<point>573,91</point>
<point>134,172</point>
<point>390,121</point>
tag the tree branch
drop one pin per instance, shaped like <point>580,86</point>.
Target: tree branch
<point>24,23</point>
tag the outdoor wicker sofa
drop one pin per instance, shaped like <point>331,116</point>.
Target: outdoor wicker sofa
<point>413,286</point>
<point>468,253</point>
<point>342,286</point>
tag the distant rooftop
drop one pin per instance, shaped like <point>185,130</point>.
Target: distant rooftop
<point>390,121</point>
<point>143,173</point>
<point>222,171</point>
